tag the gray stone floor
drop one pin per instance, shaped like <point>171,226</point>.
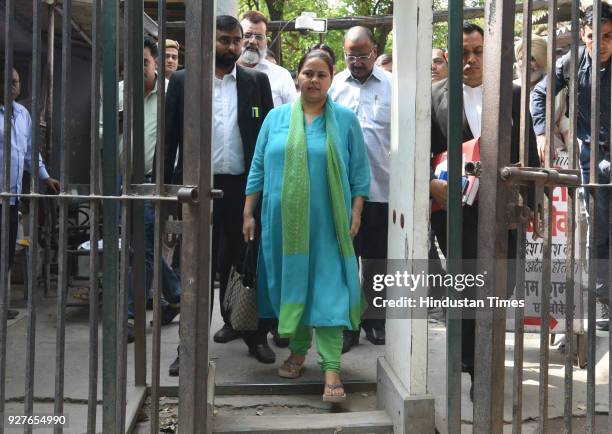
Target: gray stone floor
<point>235,365</point>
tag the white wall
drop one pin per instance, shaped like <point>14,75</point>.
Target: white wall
<point>406,340</point>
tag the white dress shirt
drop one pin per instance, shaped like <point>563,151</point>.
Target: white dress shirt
<point>228,155</point>
<point>21,149</point>
<point>281,83</point>
<point>371,102</point>
<point>472,105</point>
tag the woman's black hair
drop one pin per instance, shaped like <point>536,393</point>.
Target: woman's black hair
<point>317,54</point>
<point>325,48</point>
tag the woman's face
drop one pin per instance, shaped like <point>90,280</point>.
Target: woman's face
<point>314,80</point>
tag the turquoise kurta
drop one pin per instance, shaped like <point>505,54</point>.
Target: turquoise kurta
<point>327,298</point>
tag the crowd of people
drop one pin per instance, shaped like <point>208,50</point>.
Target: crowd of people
<point>321,145</point>
<point>303,160</point>
<point>304,163</point>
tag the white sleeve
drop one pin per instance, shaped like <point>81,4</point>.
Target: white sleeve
<point>289,94</point>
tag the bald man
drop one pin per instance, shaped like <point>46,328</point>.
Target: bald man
<point>21,158</point>
<point>366,89</point>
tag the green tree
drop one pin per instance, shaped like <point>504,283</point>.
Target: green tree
<point>295,44</point>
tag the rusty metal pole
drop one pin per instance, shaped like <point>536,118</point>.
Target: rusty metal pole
<point>517,377</point>
<point>494,153</point>
<point>194,413</point>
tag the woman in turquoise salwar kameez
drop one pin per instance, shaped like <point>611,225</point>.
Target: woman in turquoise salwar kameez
<point>311,169</point>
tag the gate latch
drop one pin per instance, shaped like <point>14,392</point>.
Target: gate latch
<point>190,194</point>
<point>187,194</point>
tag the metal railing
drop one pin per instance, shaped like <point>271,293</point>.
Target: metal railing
<point>121,208</point>
<point>497,188</point>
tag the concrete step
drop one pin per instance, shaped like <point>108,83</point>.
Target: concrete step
<point>362,422</point>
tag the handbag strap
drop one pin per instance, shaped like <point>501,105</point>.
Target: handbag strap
<point>249,263</point>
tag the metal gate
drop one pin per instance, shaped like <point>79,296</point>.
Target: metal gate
<point>115,195</point>
<point>120,208</point>
<point>501,182</point>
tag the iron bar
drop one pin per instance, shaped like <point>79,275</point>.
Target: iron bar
<point>97,197</point>
<point>110,236</point>
<point>138,177</point>
<point>96,57</point>
<point>62,261</point>
<point>610,289</point>
<point>571,212</point>
<point>33,214</point>
<point>454,210</point>
<point>519,326</point>
<point>344,23</point>
<point>495,147</point>
<point>158,242</point>
<point>125,211</point>
<point>9,19</point>
<point>49,112</point>
<point>195,300</point>
<point>49,137</point>
<point>593,217</point>
<point>548,207</point>
<point>548,177</point>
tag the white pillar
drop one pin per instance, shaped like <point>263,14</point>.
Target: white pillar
<point>402,372</point>
<point>227,7</point>
<point>406,349</point>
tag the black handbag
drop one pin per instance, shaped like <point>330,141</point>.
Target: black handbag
<point>240,295</point>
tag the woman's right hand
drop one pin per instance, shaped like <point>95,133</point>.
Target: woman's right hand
<point>248,228</point>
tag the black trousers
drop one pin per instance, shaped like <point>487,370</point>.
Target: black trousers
<point>371,243</point>
<point>470,254</point>
<point>228,243</point>
<point>12,234</point>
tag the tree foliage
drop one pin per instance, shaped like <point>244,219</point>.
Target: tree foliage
<point>295,44</point>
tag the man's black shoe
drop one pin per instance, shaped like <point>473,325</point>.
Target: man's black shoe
<point>169,312</point>
<point>173,370</point>
<point>225,334</point>
<point>149,304</point>
<point>376,335</point>
<point>278,341</point>
<point>263,353</point>
<point>130,332</point>
<point>350,338</point>
<point>603,325</point>
<point>12,314</point>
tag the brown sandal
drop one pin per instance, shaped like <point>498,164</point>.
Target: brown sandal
<point>328,397</point>
<point>290,369</point>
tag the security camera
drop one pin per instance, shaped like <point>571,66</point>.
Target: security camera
<point>308,22</point>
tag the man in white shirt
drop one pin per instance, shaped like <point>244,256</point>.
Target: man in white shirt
<point>242,99</point>
<point>366,89</point>
<point>473,49</point>
<point>254,52</point>
<point>473,70</point>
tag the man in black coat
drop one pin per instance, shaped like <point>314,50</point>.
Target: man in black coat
<point>242,99</point>
<point>473,46</point>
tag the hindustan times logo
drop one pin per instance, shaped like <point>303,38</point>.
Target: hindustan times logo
<point>413,281</point>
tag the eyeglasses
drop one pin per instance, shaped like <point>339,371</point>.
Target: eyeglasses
<point>352,59</point>
<point>258,37</point>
